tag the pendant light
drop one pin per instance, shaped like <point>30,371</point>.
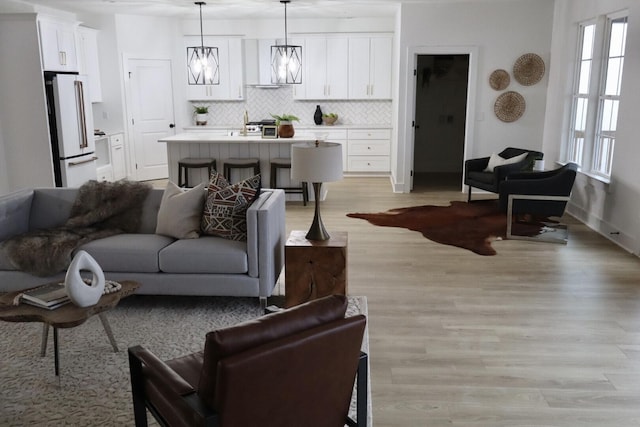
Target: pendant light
<point>286,60</point>
<point>202,61</point>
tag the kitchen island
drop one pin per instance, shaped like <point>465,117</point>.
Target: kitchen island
<point>223,147</point>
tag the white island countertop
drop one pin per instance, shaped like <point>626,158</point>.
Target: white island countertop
<point>203,137</point>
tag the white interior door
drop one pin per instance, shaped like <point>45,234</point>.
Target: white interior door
<point>152,116</point>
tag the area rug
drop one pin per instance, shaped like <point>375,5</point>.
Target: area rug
<point>94,387</point>
<point>471,226</point>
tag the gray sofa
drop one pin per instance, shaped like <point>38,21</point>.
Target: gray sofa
<point>164,266</point>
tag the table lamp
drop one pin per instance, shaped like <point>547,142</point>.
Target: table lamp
<point>316,162</point>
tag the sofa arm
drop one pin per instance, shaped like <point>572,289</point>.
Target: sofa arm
<point>266,236</point>
<point>15,211</point>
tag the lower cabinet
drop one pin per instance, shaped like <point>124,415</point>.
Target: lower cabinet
<point>111,164</point>
<point>118,161</point>
<point>104,173</point>
<point>369,150</point>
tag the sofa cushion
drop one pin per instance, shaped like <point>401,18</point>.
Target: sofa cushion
<point>135,253</point>
<point>225,210</point>
<point>205,255</point>
<point>5,264</point>
<point>180,212</point>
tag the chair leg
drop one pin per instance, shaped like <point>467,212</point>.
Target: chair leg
<point>362,380</point>
<point>469,195</point>
<point>137,390</point>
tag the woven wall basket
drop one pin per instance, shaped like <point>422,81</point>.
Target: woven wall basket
<point>509,106</point>
<point>528,69</point>
<point>499,79</point>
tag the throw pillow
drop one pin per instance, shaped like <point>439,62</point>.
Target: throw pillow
<point>180,212</point>
<point>495,160</point>
<point>225,210</point>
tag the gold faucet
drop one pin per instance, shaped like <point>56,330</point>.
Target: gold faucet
<point>243,132</point>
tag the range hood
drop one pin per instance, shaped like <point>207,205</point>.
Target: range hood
<point>258,63</point>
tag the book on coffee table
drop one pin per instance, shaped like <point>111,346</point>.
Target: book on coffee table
<point>49,296</point>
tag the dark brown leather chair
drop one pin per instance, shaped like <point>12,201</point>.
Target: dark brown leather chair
<point>291,368</point>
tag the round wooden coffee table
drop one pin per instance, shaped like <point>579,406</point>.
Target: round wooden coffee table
<point>66,316</point>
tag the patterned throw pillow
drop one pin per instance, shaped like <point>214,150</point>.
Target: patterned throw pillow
<point>225,210</point>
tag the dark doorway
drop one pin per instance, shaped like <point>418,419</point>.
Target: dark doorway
<point>440,117</point>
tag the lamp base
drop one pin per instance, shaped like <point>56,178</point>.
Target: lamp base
<point>317,230</point>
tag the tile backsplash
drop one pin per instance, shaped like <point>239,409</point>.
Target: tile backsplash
<point>261,103</point>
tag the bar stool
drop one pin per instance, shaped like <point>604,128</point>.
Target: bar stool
<point>281,163</point>
<point>238,163</point>
<point>192,163</point>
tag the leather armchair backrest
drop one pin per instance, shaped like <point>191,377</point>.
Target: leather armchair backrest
<point>303,379</point>
<point>226,342</point>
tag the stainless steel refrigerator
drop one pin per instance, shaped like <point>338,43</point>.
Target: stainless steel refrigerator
<point>70,128</point>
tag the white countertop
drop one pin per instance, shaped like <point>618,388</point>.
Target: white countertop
<point>203,137</point>
<point>296,126</point>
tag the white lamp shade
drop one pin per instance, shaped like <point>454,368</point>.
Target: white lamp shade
<point>321,163</point>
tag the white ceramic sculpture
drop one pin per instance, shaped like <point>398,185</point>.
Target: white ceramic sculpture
<point>80,293</point>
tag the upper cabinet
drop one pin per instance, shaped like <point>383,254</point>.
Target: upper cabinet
<point>370,67</point>
<point>325,65</point>
<point>231,69</point>
<point>88,60</point>
<point>58,45</point>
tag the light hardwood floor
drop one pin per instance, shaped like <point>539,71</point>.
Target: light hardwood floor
<point>540,334</point>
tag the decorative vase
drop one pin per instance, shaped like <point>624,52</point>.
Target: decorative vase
<point>317,117</point>
<point>201,119</point>
<point>285,130</point>
<point>80,293</point>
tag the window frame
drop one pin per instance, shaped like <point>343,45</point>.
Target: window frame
<point>587,152</point>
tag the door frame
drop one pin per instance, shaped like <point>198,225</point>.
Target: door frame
<point>413,52</point>
<point>128,107</point>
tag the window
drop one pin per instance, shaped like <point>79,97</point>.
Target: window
<point>596,95</point>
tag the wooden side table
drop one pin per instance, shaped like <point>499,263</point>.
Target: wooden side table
<point>314,269</point>
<point>66,316</point>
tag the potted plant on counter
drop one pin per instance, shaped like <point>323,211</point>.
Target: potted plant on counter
<point>201,113</point>
<point>285,125</point>
<point>329,119</point>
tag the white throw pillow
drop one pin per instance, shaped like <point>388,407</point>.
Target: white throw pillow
<point>496,160</point>
<point>180,212</point>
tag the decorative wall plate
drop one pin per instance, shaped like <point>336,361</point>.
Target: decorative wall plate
<point>509,106</point>
<point>528,69</point>
<point>499,79</point>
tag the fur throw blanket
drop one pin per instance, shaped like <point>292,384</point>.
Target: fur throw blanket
<point>101,209</point>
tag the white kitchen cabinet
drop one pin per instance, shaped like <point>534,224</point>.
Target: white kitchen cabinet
<point>88,62</point>
<point>369,150</point>
<point>231,69</point>
<point>57,45</point>
<point>325,66</point>
<point>118,161</point>
<point>104,173</point>
<point>370,67</point>
<point>327,133</point>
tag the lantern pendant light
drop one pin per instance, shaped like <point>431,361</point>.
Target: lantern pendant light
<point>202,61</point>
<point>286,60</point>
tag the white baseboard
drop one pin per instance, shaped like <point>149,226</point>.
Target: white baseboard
<point>610,232</point>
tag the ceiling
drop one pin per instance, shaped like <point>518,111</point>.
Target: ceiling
<point>232,9</point>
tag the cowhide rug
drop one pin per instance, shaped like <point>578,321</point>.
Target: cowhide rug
<point>471,226</point>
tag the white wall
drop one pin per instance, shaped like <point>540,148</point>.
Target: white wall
<point>4,177</point>
<point>608,208</point>
<point>500,32</point>
<point>108,115</point>
<point>25,131</point>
